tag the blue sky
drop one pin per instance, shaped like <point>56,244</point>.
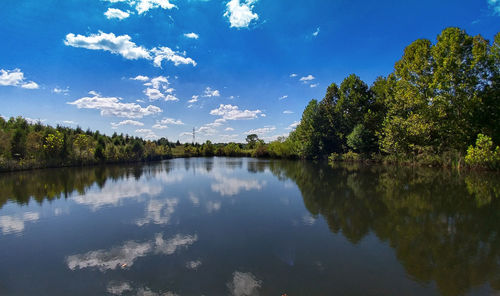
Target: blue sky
<point>158,68</point>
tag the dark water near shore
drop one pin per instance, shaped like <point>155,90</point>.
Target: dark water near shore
<point>230,226</point>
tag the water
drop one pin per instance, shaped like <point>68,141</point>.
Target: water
<point>230,226</point>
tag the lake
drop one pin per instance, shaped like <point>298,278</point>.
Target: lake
<point>239,226</point>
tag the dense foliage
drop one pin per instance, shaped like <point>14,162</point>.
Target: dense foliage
<point>31,145</point>
<point>434,105</point>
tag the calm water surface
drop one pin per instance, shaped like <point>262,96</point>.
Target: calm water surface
<point>222,226</point>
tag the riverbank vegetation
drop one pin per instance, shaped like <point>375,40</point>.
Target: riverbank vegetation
<point>439,107</point>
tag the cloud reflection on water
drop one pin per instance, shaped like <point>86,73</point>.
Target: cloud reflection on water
<point>244,284</point>
<point>112,194</point>
<point>124,256</point>
<point>15,223</point>
<point>232,186</point>
<point>159,211</point>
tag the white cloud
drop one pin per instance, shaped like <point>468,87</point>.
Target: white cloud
<point>15,78</point>
<point>163,124</point>
<point>244,284</point>
<point>261,131</point>
<point>114,13</point>
<point>283,97</point>
<point>112,106</point>
<point>143,6</point>
<point>171,121</point>
<point>211,93</point>
<point>159,126</point>
<point>153,94</point>
<point>230,112</point>
<point>316,33</point>
<point>495,5</point>
<point>240,14</point>
<point>170,246</point>
<point>307,78</point>
<point>122,45</point>
<point>194,99</point>
<point>158,84</point>
<point>140,78</point>
<point>293,125</point>
<point>165,53</point>
<point>288,112</point>
<point>58,90</point>
<point>30,85</point>
<point>147,134</point>
<point>33,120</point>
<point>109,42</point>
<point>293,75</point>
<point>127,122</point>
<point>314,85</point>
<point>71,122</point>
<point>191,35</point>
<point>229,129</point>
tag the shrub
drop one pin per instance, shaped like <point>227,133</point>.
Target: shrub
<point>484,154</point>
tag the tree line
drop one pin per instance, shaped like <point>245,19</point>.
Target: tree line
<point>440,101</point>
<point>25,145</point>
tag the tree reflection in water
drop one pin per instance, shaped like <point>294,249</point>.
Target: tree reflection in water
<point>443,226</point>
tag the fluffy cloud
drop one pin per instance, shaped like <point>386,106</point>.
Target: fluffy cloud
<point>283,97</point>
<point>287,112</point>
<point>293,125</point>
<point>171,121</point>
<point>191,35</point>
<point>316,33</point>
<point>230,112</point>
<point>126,122</point>
<point>165,53</point>
<point>143,6</point>
<point>140,78</point>
<point>15,78</point>
<point>112,106</point>
<point>30,85</point>
<point>261,131</point>
<point>293,75</point>
<point>211,93</point>
<point>114,13</point>
<point>122,45</point>
<point>229,129</point>
<point>163,124</point>
<point>495,5</point>
<point>194,99</point>
<point>58,90</point>
<point>240,15</point>
<point>314,85</point>
<point>158,88</point>
<point>147,134</point>
<point>307,78</point>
